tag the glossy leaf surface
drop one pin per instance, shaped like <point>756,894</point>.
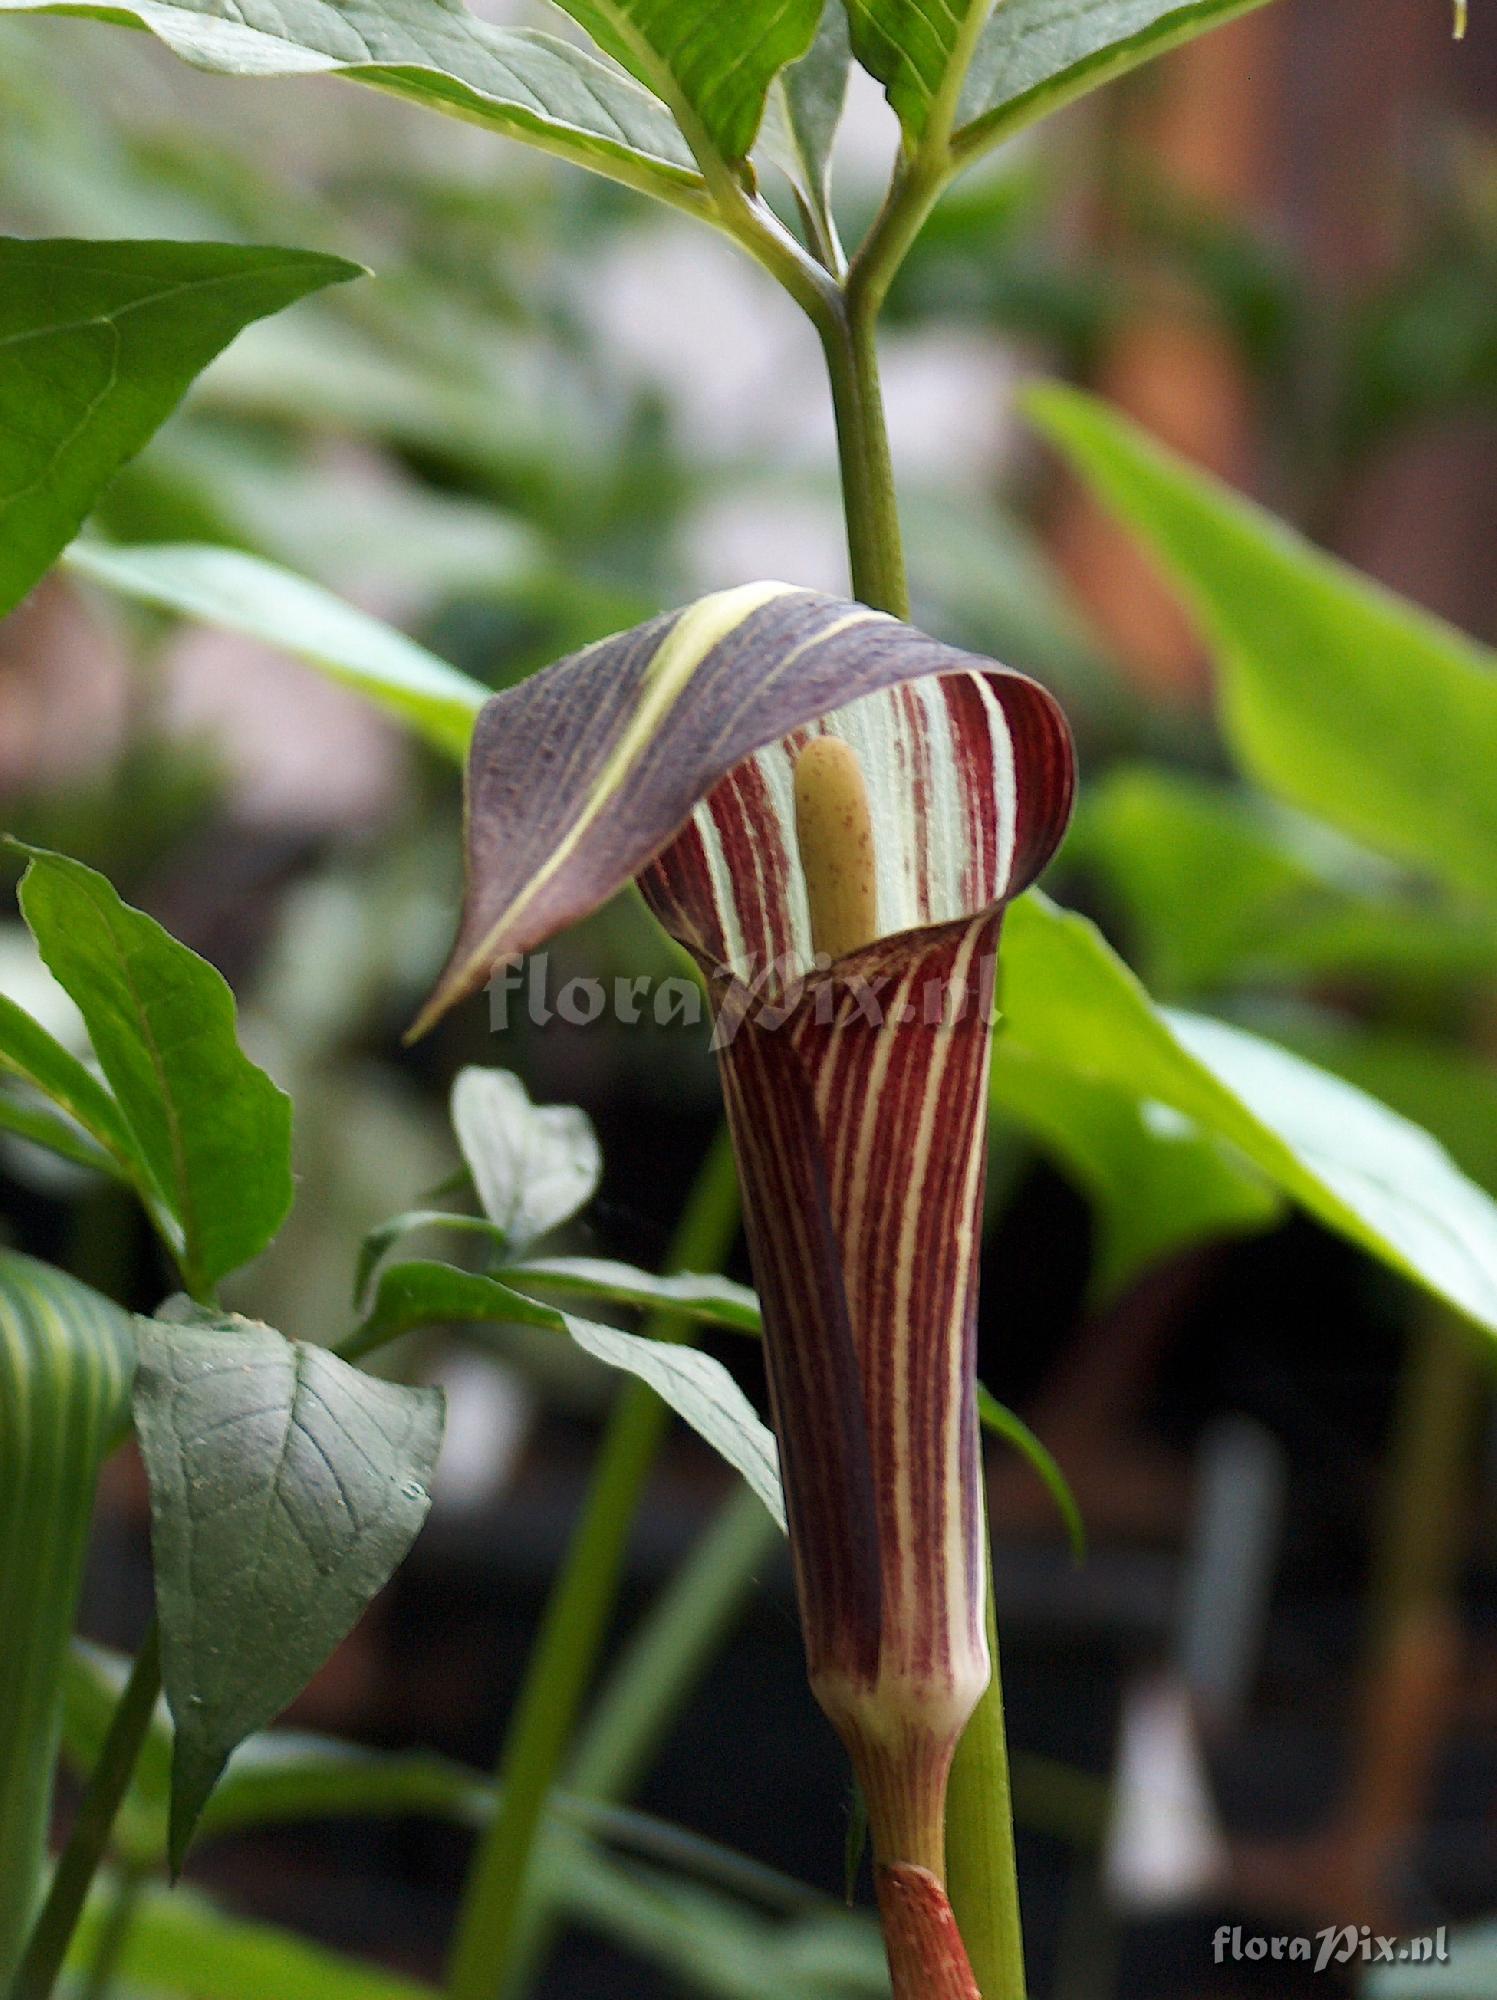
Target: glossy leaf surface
<point>98,344</point>
<point>212,1129</point>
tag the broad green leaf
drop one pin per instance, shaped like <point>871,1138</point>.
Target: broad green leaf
<point>712,64</point>
<point>100,341</point>
<point>1219,885</point>
<point>920,51</point>
<point>1336,695</point>
<point>213,1130</point>
<point>1002,1422</point>
<point>697,1387</point>
<point>801,118</point>
<point>245,594</point>
<point>1036,55</point>
<point>66,1357</point>
<point>715,1301</point>
<point>528,85</point>
<point>1158,1181</point>
<point>286,1487</point>
<point>534,1165</point>
<point>1353,1164</point>
<point>181,1947</point>
<point>30,1052</point>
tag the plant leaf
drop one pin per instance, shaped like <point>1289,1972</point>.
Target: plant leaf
<point>697,1387</point>
<point>1003,1422</point>
<point>1158,1181</point>
<point>715,1301</point>
<point>534,1165</point>
<point>1036,55</point>
<point>66,1356</point>
<point>243,593</point>
<point>712,64</point>
<point>1353,1164</point>
<point>919,50</point>
<point>101,343</point>
<point>1219,885</point>
<point>530,86</point>
<point>1336,695</point>
<point>43,1127</point>
<point>182,1947</point>
<point>30,1052</point>
<point>213,1130</point>
<point>802,114</point>
<point>386,1234</point>
<point>286,1487</point>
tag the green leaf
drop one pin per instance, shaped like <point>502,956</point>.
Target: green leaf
<point>1003,1422</point>
<point>66,1357</point>
<point>920,51</point>
<point>181,1947</point>
<point>245,594</point>
<point>1336,695</point>
<point>285,1489</point>
<point>92,1682</point>
<point>1159,1182</point>
<point>534,1165</point>
<point>802,114</point>
<point>712,64</point>
<point>101,341</point>
<point>386,1234</point>
<point>697,1387</point>
<point>30,1052</point>
<point>1220,885</point>
<point>714,1301</point>
<point>213,1130</point>
<point>530,86</point>
<point>34,1122</point>
<point>1353,1164</point>
<point>1036,55</point>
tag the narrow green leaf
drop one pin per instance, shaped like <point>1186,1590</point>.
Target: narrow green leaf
<point>1003,1422</point>
<point>697,1387</point>
<point>714,1301</point>
<point>712,64</point>
<point>1336,695</point>
<point>100,342</point>
<point>34,1122</point>
<point>1355,1165</point>
<point>286,1487</point>
<point>411,1221</point>
<point>1036,55</point>
<point>1158,1181</point>
<point>919,50</point>
<point>534,1165</point>
<point>243,593</point>
<point>213,1129</point>
<point>530,86</point>
<point>66,1357</point>
<point>30,1052</point>
<point>802,114</point>
<point>181,1947</point>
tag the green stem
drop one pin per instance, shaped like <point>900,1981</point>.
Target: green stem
<point>874,545</point>
<point>565,1653</point>
<point>114,1934</point>
<point>981,1873</point>
<point>89,1840</point>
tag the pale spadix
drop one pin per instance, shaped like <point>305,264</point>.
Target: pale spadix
<point>853,1034</point>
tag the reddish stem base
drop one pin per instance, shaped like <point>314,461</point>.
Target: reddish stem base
<point>927,1959</point>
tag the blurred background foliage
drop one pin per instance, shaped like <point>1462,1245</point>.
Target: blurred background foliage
<point>556,411</point>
